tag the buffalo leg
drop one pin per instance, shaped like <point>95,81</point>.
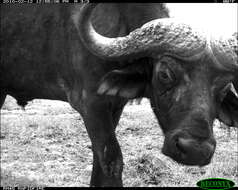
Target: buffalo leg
<point>107,167</point>
<point>113,153</point>
<point>101,121</point>
<point>101,117</point>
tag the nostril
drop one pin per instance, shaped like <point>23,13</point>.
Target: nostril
<point>186,145</point>
<point>208,153</point>
<point>208,150</point>
<point>179,143</point>
<point>190,150</point>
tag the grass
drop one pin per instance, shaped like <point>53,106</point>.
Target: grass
<point>47,144</point>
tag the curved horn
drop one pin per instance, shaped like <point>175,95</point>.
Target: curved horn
<point>225,50</point>
<point>156,36</point>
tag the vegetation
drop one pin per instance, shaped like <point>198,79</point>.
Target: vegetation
<point>47,145</point>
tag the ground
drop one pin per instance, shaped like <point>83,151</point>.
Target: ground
<point>47,145</point>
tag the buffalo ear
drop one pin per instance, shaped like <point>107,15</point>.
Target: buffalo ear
<point>124,83</point>
<point>228,113</point>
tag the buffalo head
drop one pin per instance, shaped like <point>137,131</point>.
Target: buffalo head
<point>184,72</point>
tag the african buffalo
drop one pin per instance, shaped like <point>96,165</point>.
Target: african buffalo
<point>56,52</point>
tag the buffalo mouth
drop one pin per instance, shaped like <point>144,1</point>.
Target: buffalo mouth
<point>189,150</point>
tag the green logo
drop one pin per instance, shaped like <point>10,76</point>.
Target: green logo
<point>215,183</point>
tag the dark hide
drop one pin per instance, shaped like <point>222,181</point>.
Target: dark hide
<point>42,57</point>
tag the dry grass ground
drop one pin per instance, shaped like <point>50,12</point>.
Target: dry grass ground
<point>47,145</point>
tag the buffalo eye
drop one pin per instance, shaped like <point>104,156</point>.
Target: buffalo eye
<point>166,76</point>
<point>167,71</point>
